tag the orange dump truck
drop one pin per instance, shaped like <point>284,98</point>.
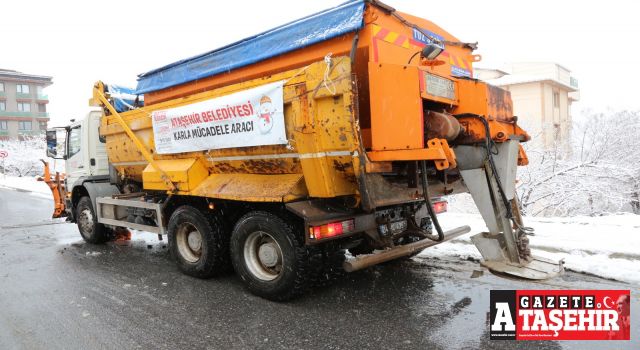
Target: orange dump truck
<point>276,154</point>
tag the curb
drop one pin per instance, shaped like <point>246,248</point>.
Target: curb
<point>20,189</point>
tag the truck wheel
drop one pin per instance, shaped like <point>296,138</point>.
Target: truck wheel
<point>90,229</point>
<point>199,244</point>
<point>270,257</point>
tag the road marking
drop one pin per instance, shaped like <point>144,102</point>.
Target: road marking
<point>45,223</point>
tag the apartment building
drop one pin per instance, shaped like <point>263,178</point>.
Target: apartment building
<point>23,104</point>
<point>542,94</point>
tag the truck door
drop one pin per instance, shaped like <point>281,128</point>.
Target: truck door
<point>75,165</point>
<point>97,151</point>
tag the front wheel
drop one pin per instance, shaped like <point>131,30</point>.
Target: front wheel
<point>270,257</point>
<point>91,230</point>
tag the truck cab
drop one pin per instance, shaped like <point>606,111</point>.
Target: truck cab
<point>85,154</point>
<point>86,166</point>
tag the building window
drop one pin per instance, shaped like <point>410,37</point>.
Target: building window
<point>24,125</point>
<point>24,107</point>
<point>42,107</point>
<point>1,87</point>
<point>4,125</point>
<point>43,125</point>
<point>3,105</point>
<point>22,88</point>
<point>39,90</point>
<point>556,99</point>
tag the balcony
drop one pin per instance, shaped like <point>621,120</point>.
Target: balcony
<point>3,95</point>
<point>42,114</point>
<point>4,132</point>
<point>30,132</point>
<point>42,98</point>
<point>573,82</point>
<point>574,96</point>
<point>21,96</point>
<point>15,114</point>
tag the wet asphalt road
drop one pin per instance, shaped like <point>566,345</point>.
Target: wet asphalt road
<point>57,292</point>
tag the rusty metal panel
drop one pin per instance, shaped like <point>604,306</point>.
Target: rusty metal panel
<point>499,103</point>
<point>396,107</point>
<point>483,99</point>
<point>249,187</point>
<point>321,129</point>
<point>491,103</point>
<point>185,174</point>
<point>328,138</point>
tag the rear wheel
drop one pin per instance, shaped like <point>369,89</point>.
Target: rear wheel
<point>90,229</point>
<point>198,243</point>
<point>270,257</point>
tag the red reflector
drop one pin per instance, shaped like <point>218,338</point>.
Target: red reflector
<point>440,207</point>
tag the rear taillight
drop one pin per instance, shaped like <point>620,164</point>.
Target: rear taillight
<point>440,207</point>
<point>331,229</point>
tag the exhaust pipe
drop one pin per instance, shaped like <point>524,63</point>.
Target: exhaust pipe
<point>365,261</point>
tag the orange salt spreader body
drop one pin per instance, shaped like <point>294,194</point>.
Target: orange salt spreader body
<point>378,112</point>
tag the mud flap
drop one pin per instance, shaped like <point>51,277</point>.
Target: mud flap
<point>496,260</point>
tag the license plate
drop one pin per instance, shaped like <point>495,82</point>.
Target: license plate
<point>396,227</point>
<point>440,87</point>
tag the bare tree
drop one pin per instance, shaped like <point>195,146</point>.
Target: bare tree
<point>599,172</point>
<point>24,156</point>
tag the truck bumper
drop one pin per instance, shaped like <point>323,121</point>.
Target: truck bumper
<point>365,261</point>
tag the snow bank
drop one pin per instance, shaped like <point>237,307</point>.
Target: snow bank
<point>606,246</point>
<point>26,183</point>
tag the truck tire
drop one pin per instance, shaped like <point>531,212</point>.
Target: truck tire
<point>270,257</point>
<point>90,229</point>
<point>199,244</point>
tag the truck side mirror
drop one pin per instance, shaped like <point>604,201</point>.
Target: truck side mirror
<point>52,144</point>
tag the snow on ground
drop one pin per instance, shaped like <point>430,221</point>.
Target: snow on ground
<point>606,246</point>
<point>26,183</point>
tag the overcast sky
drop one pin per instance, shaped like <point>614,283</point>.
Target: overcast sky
<point>80,43</point>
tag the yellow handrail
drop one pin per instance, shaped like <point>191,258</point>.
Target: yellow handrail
<point>97,94</point>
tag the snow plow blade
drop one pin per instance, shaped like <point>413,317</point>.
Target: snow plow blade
<point>364,261</point>
<point>56,185</point>
<point>496,259</point>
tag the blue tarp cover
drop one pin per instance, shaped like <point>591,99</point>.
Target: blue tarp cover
<point>124,98</point>
<point>310,30</point>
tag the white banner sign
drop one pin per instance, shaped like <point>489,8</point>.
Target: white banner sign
<point>253,117</point>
